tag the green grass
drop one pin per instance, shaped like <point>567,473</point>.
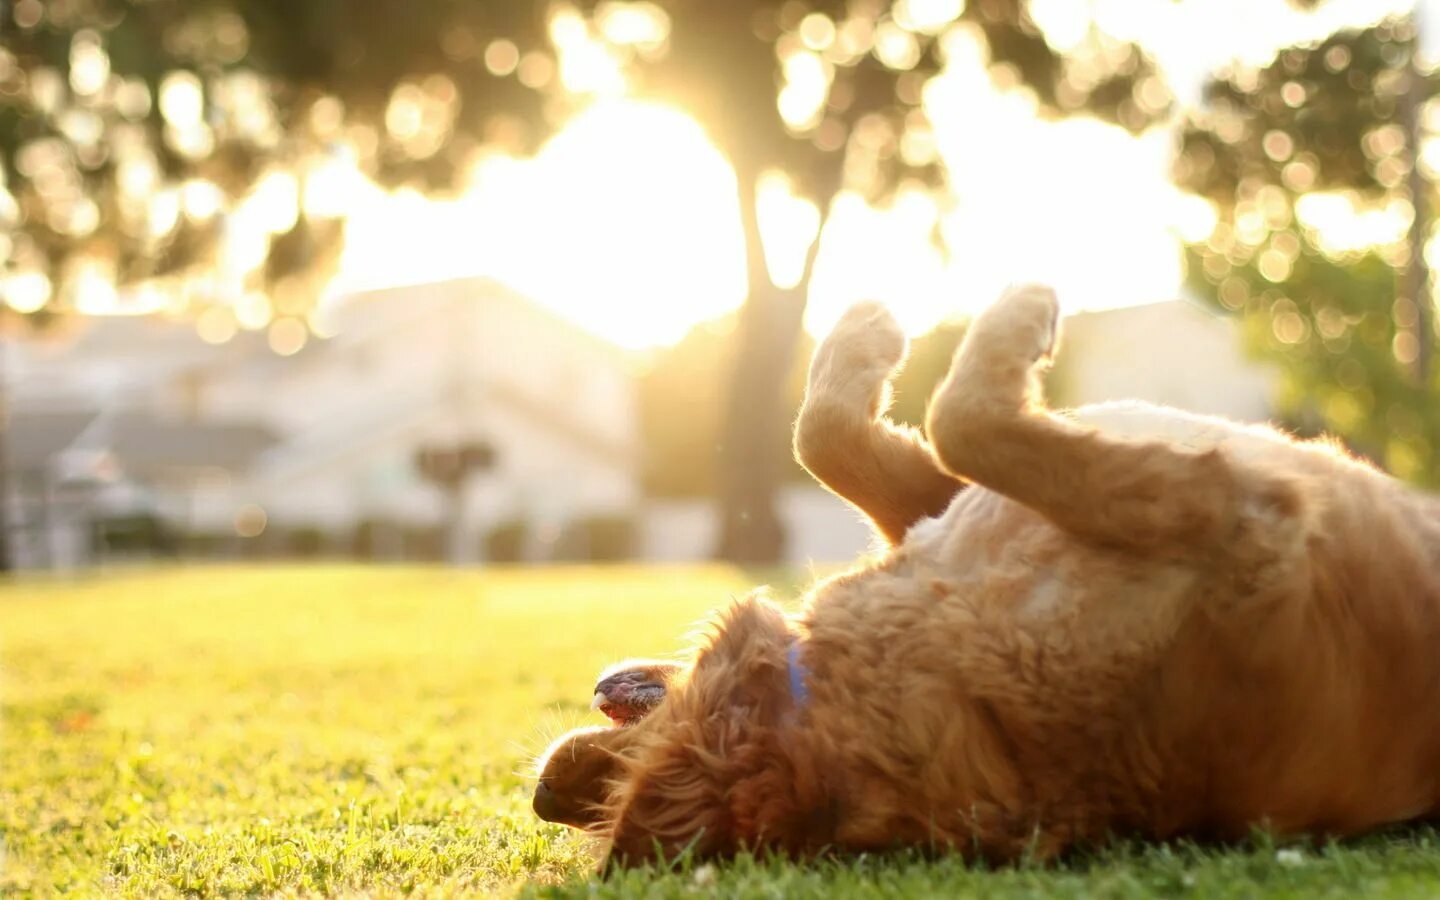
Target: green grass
<point>318,731</point>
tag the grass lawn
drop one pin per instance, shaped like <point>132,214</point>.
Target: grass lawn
<point>348,730</point>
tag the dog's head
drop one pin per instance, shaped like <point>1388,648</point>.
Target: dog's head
<point>716,768</point>
<point>577,774</point>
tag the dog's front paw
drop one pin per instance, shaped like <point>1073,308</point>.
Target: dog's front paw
<point>628,691</point>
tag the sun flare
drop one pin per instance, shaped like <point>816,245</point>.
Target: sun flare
<point>626,223</point>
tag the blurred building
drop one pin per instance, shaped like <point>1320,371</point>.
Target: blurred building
<point>819,527</point>
<point>137,424</point>
<point>132,437</point>
<point>1175,353</point>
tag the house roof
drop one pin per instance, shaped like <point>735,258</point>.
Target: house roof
<point>479,289</point>
<point>153,445</point>
<point>33,438</point>
<point>140,442</point>
<point>113,358</point>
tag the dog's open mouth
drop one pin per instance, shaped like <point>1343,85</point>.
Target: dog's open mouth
<point>628,696</point>
<point>618,713</point>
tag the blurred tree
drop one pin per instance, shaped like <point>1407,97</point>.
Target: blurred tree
<point>682,409</point>
<point>196,156</point>
<point>199,154</point>
<point>1320,188</point>
<point>831,94</point>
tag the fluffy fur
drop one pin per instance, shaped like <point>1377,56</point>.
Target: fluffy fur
<point>1171,625</point>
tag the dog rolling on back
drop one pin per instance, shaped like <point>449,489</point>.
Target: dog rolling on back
<point>1125,620</point>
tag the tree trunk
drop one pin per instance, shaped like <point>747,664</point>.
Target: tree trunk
<point>755,435</point>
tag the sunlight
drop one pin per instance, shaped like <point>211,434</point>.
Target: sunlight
<point>886,255</point>
<point>1341,224</point>
<point>789,224</point>
<point>636,234</point>
<point>626,223</point>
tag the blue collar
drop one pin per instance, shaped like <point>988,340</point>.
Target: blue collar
<point>799,692</point>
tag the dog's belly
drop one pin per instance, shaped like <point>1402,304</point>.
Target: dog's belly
<point>993,613</point>
<point>1011,562</point>
<point>1008,562</point>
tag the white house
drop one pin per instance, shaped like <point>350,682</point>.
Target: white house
<point>1175,353</point>
<point>428,366</point>
<point>439,365</point>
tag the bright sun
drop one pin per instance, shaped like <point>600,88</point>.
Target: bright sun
<point>626,223</point>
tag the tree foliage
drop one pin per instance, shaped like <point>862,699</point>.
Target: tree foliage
<point>743,68</point>
<point>133,131</point>
<point>1307,163</point>
<point>199,150</point>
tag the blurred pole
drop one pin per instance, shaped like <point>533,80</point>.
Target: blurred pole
<point>456,553</point>
<point>1416,284</point>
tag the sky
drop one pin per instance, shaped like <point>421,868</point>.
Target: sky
<point>627,223</point>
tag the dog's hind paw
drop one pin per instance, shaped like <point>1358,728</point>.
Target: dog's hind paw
<point>852,367</point>
<point>1025,320</point>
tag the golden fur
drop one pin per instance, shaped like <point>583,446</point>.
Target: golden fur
<point>1168,625</point>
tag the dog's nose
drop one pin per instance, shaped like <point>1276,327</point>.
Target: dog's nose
<point>544,802</point>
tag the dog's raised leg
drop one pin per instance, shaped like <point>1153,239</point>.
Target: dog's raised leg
<point>842,437</point>
<point>987,423</point>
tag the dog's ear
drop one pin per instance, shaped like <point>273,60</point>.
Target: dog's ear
<point>672,802</point>
<point>715,732</point>
<point>739,671</point>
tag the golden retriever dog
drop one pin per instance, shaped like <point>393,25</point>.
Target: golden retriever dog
<point>1124,620</point>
